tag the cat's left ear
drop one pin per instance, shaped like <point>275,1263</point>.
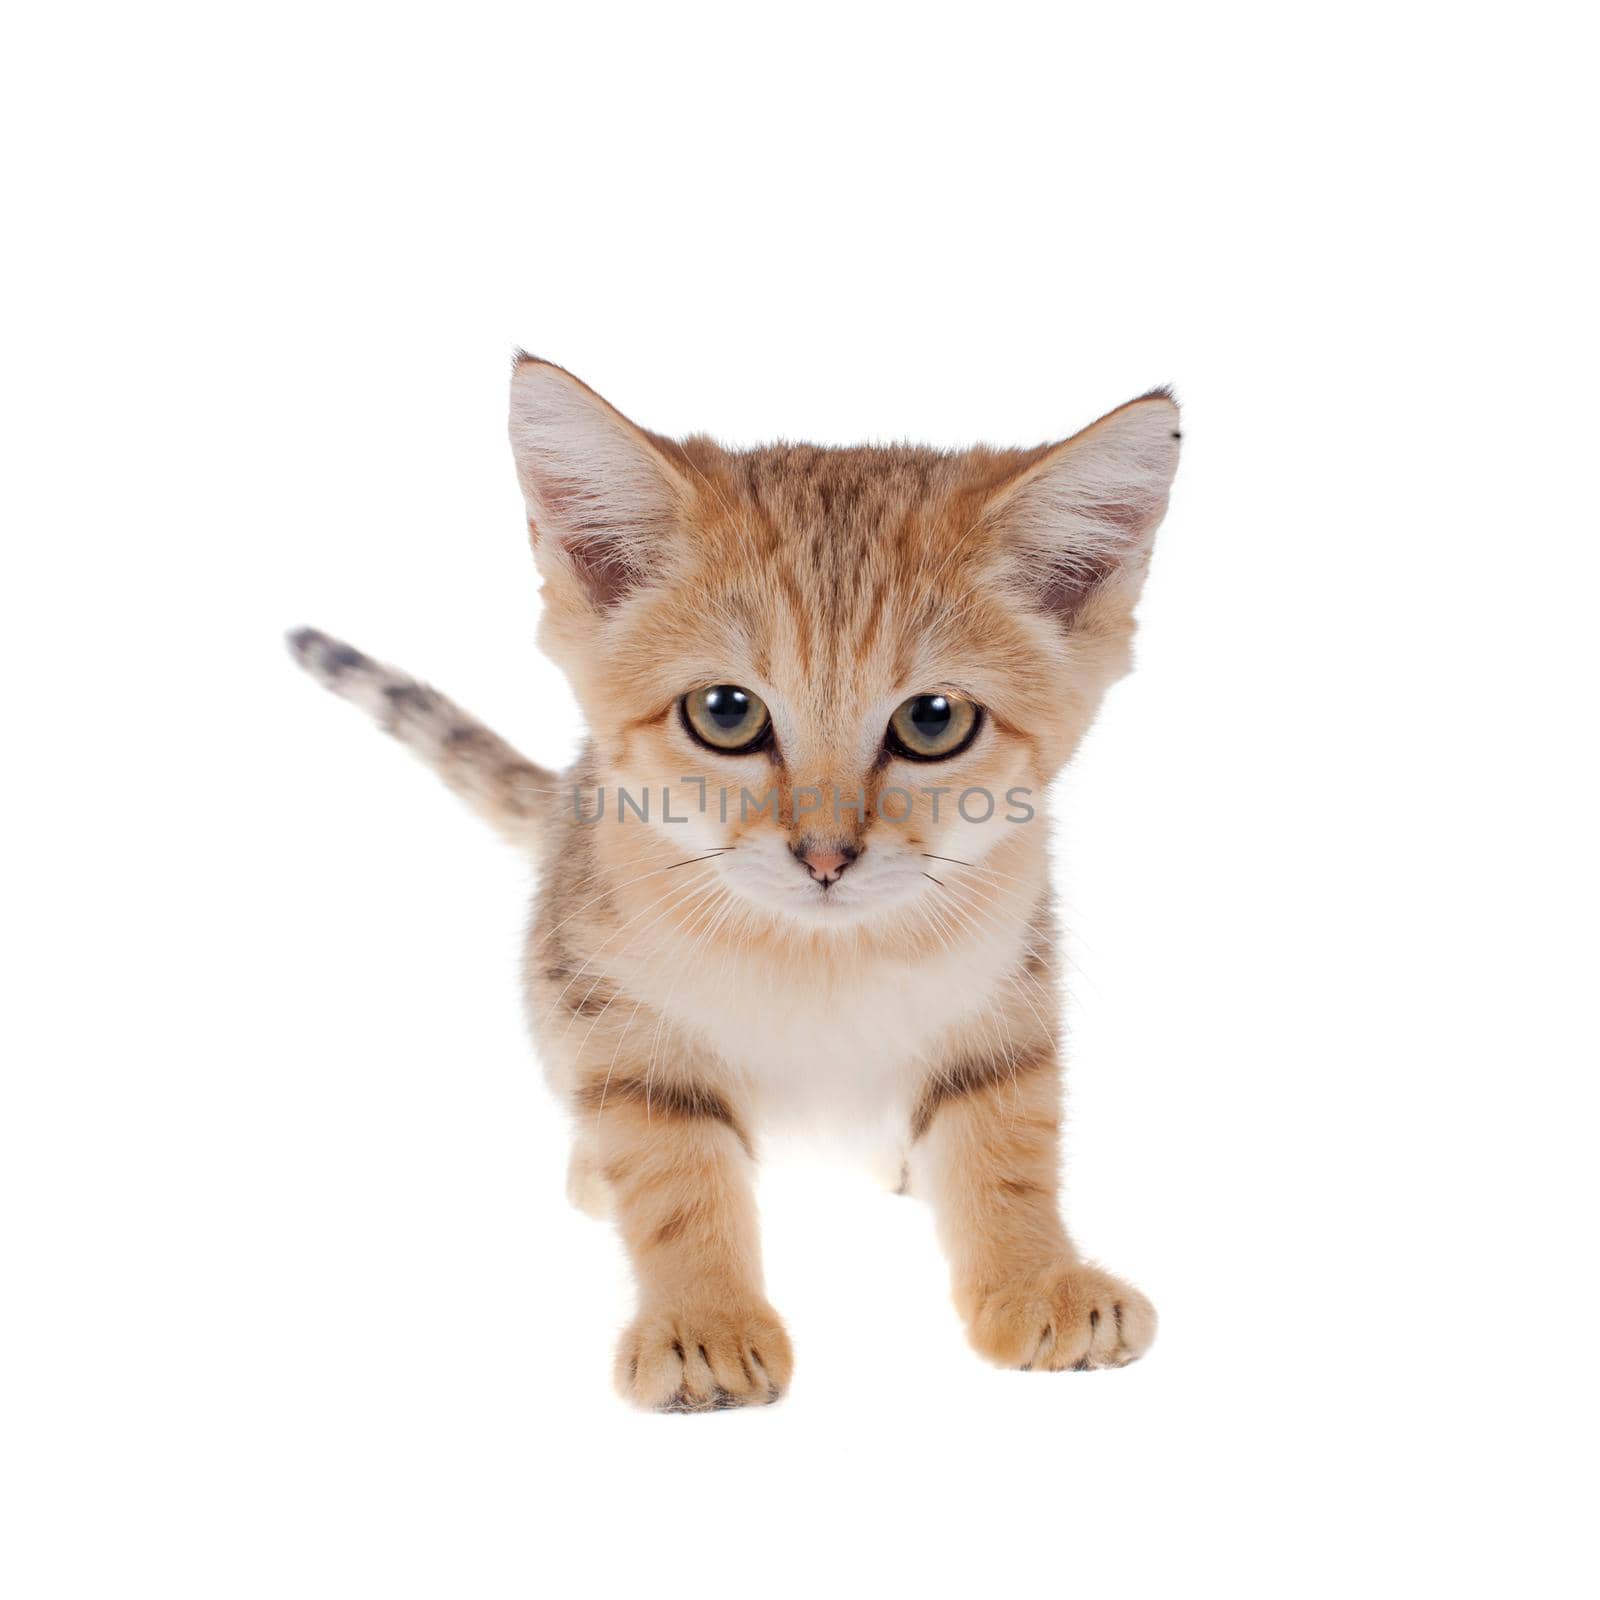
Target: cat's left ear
<point>603,496</point>
<point>1078,523</point>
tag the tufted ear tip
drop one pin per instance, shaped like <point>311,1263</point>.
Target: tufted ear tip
<point>1166,400</point>
<point>1150,425</point>
<point>1087,510</point>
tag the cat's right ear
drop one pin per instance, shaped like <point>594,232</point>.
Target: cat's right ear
<point>602,496</point>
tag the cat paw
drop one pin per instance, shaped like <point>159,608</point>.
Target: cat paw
<point>704,1359</point>
<point>1073,1316</point>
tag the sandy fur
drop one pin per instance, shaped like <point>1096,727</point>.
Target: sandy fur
<point>692,989</point>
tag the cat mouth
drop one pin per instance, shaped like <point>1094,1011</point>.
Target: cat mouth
<point>769,881</point>
<point>833,904</point>
<point>826,903</point>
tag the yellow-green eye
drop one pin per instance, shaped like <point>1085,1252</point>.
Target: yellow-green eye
<point>929,727</point>
<point>727,718</point>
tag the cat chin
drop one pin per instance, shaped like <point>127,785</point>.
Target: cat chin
<point>834,912</point>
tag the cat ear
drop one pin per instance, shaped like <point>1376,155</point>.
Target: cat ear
<point>1081,519</point>
<point>601,494</point>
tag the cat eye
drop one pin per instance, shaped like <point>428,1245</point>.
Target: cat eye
<point>930,727</point>
<point>726,718</point>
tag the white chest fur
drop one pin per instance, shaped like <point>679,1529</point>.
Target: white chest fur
<point>838,1048</point>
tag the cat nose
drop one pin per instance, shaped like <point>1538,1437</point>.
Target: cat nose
<point>825,862</point>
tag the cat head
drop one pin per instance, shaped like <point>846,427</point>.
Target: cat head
<point>841,664</point>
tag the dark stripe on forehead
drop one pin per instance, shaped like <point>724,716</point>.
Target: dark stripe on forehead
<point>873,617</point>
<point>800,610</point>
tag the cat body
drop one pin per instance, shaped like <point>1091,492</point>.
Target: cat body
<point>797,884</point>
<point>823,1044</point>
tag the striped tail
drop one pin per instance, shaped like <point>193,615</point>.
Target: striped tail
<point>502,786</point>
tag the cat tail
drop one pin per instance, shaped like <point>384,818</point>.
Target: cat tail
<point>504,788</point>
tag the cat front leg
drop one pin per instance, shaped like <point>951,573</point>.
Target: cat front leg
<point>986,1138</point>
<point>677,1161</point>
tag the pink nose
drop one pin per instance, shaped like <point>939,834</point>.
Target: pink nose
<point>825,862</point>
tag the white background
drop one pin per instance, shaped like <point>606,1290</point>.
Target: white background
<point>294,1302</point>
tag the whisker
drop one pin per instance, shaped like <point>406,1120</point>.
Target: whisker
<point>614,888</point>
<point>722,850</point>
<point>657,911</point>
<point>992,872</point>
<point>660,910</point>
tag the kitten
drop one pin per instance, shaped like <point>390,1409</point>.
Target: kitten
<point>797,878</point>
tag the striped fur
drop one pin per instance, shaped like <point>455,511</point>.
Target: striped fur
<point>697,993</point>
<point>506,789</point>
